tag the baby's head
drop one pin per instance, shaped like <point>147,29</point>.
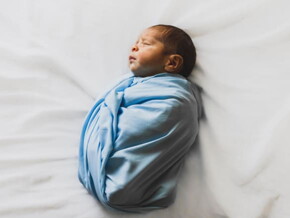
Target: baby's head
<point>162,48</point>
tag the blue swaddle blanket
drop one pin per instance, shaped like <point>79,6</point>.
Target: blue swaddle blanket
<point>134,141</point>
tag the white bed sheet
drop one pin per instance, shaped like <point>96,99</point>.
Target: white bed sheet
<point>56,56</point>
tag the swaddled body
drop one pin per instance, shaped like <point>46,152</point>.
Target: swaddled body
<point>136,136</point>
<point>135,139</point>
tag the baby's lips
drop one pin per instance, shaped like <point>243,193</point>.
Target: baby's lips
<point>131,58</point>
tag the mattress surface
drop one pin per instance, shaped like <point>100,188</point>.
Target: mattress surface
<point>56,57</point>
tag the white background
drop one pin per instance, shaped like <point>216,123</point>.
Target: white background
<point>57,56</point>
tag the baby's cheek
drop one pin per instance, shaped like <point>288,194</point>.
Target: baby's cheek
<point>145,58</point>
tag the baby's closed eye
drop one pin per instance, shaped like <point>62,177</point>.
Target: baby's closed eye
<point>146,43</point>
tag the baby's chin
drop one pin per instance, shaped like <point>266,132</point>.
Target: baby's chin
<point>137,72</point>
<point>142,72</point>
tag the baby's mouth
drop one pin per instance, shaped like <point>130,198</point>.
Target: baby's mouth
<point>131,58</point>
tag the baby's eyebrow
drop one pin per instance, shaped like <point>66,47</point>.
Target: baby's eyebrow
<point>151,39</point>
<point>144,39</point>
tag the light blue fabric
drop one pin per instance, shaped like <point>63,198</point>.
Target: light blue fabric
<point>134,141</point>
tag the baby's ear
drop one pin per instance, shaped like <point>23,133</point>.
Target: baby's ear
<point>174,63</point>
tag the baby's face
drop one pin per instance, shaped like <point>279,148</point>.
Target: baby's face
<point>147,56</point>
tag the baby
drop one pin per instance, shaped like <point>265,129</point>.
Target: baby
<point>136,136</point>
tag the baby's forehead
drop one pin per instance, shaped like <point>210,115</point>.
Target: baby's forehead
<point>152,33</point>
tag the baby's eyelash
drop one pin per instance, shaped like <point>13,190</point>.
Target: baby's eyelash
<point>142,42</point>
<point>146,42</point>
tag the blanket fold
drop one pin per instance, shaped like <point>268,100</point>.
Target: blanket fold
<point>134,141</point>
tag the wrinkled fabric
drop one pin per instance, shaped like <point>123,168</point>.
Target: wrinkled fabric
<point>134,141</point>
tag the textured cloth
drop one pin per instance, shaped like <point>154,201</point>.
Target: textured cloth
<point>134,141</point>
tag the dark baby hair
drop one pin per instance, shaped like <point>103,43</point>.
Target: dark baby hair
<point>177,41</point>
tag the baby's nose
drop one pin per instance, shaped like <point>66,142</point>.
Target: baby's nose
<point>134,48</point>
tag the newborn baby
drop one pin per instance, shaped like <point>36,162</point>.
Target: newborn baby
<point>136,136</point>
